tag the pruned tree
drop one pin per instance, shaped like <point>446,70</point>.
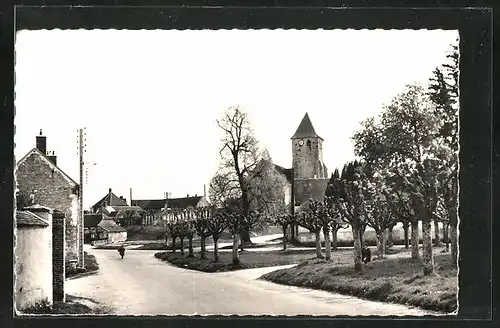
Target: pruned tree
<point>285,220</point>
<point>240,154</point>
<point>201,226</point>
<point>216,224</point>
<point>313,215</point>
<point>379,215</point>
<point>336,222</point>
<point>351,204</point>
<point>189,229</point>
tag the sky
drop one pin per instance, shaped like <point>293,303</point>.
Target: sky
<point>149,99</point>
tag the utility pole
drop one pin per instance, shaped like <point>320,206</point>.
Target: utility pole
<point>80,229</point>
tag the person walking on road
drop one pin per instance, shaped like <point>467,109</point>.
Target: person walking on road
<point>121,250</point>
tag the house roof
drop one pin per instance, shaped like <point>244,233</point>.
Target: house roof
<point>305,189</point>
<point>305,129</point>
<point>26,218</point>
<point>110,226</point>
<point>155,204</point>
<point>111,200</point>
<point>286,172</point>
<point>92,220</point>
<point>50,163</point>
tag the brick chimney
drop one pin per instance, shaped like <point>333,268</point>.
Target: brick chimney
<point>109,197</point>
<point>41,143</point>
<point>51,155</point>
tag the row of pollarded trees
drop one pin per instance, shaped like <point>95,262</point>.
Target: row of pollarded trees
<point>410,155</point>
<point>408,173</point>
<point>207,222</point>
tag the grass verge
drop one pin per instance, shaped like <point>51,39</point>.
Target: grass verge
<point>73,305</point>
<point>91,266</point>
<point>398,279</point>
<point>248,260</point>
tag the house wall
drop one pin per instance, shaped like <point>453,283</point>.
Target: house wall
<point>116,237</point>
<point>52,190</point>
<point>33,266</point>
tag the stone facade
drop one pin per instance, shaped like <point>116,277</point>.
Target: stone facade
<point>38,177</point>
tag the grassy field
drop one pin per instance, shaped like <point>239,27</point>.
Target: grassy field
<point>90,263</point>
<point>397,279</point>
<point>248,260</point>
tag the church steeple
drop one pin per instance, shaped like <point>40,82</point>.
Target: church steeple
<point>305,129</point>
<point>307,152</point>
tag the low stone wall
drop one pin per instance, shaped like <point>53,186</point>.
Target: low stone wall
<point>344,236</point>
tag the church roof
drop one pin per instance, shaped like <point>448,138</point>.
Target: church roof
<point>305,129</point>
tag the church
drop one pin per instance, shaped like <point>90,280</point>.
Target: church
<point>308,176</point>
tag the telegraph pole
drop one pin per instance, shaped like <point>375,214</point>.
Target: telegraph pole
<point>80,229</point>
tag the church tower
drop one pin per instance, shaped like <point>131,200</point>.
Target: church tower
<point>307,152</point>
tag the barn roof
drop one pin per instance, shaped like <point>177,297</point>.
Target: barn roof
<point>155,204</point>
<point>111,200</point>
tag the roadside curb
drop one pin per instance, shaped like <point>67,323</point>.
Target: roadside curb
<point>83,274</point>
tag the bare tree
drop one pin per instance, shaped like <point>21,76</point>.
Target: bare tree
<point>240,153</point>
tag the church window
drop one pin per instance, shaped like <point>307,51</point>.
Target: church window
<point>309,144</point>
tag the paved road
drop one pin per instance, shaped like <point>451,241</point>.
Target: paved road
<point>142,285</point>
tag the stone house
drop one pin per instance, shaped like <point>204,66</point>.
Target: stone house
<point>156,209</point>
<point>110,199</point>
<point>101,229</point>
<point>111,231</point>
<point>38,257</point>
<point>38,176</point>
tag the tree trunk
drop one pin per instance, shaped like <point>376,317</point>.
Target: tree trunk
<point>236,255</point>
<point>328,244</point>
<point>319,254</point>
<point>390,241</point>
<point>285,228</point>
<point>405,231</point>
<point>245,237</point>
<point>414,240</point>
<point>381,242</point>
<point>454,243</point>
<point>182,245</point>
<point>453,212</point>
<point>437,237</point>
<point>203,247</point>
<point>216,249</point>
<point>357,248</point>
<point>191,247</point>
<point>334,239</point>
<point>174,239</point>
<point>446,237</point>
<point>427,256</point>
<point>292,233</point>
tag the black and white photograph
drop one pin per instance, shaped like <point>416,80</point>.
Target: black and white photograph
<point>260,172</point>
